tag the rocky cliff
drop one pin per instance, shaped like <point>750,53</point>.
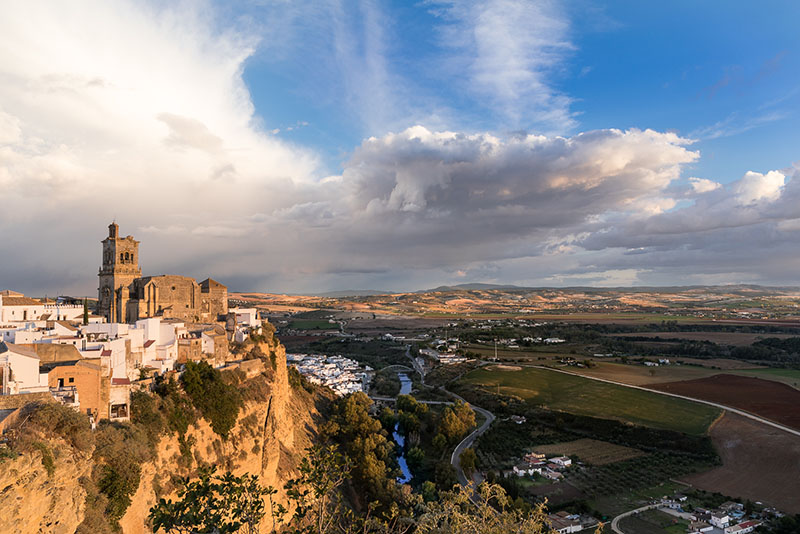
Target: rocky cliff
<point>275,426</point>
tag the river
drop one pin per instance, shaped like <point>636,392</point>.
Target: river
<point>400,439</point>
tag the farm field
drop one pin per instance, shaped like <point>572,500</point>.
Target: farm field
<point>653,522</point>
<point>720,363</point>
<point>591,451</point>
<point>759,463</point>
<point>774,401</point>
<point>312,324</point>
<point>613,505</point>
<point>737,339</point>
<point>575,394</point>
<point>617,318</point>
<point>790,377</point>
<point>528,353</point>
<point>638,375</point>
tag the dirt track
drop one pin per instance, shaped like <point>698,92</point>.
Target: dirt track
<point>759,463</point>
<point>771,400</point>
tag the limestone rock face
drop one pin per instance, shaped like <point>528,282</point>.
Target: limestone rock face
<point>269,439</point>
<point>33,502</point>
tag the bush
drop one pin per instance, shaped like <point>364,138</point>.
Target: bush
<point>118,483</point>
<point>146,413</point>
<point>48,461</point>
<point>217,401</point>
<point>74,427</point>
<point>121,450</point>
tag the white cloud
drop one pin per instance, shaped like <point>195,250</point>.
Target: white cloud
<point>703,185</point>
<point>511,50</point>
<point>757,187</point>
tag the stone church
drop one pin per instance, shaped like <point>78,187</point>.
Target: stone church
<point>125,296</point>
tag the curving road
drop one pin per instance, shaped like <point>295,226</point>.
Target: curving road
<point>616,520</point>
<point>684,397</point>
<point>455,458</point>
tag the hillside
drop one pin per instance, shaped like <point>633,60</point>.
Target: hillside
<point>47,476</point>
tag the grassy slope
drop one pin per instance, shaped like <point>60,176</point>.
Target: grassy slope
<point>559,391</point>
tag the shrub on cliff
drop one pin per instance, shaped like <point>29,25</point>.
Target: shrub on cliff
<point>62,421</point>
<point>217,401</point>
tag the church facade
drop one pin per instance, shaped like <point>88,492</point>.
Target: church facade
<point>125,296</point>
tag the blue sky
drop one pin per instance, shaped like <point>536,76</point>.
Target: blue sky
<point>722,73</point>
<point>300,146</point>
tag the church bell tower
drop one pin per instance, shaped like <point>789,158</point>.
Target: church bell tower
<point>120,268</point>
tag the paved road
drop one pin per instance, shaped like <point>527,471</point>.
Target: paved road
<point>455,458</point>
<point>615,521</point>
<point>684,397</point>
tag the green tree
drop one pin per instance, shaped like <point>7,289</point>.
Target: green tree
<point>468,461</point>
<point>316,495</point>
<point>415,457</point>
<point>362,436</point>
<point>429,492</point>
<point>213,504</point>
<point>217,401</point>
<point>439,443</point>
<point>85,312</point>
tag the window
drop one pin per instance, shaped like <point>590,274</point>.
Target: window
<point>71,379</point>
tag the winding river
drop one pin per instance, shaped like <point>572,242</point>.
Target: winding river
<point>400,439</point>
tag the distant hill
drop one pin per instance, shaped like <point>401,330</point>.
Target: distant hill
<point>351,293</point>
<point>469,287</point>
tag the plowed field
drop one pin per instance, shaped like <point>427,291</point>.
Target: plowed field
<point>760,463</point>
<point>771,400</point>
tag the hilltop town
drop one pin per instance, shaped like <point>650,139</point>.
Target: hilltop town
<point>138,328</point>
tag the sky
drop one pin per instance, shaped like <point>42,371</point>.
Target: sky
<point>305,146</point>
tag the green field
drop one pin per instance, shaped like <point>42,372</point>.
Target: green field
<point>790,377</point>
<point>653,522</point>
<point>570,393</point>
<point>312,324</point>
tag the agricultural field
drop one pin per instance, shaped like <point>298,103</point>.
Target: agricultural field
<point>591,451</point>
<point>759,463</point>
<point>771,400</point>
<point>611,505</point>
<point>790,377</point>
<point>312,324</point>
<point>736,339</point>
<point>653,522</point>
<point>625,479</point>
<point>540,352</point>
<point>617,318</point>
<point>638,375</point>
<point>570,393</point>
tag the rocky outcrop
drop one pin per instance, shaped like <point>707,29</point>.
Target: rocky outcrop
<point>269,439</point>
<point>33,501</point>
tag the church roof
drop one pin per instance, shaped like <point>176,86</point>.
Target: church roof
<point>208,282</point>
